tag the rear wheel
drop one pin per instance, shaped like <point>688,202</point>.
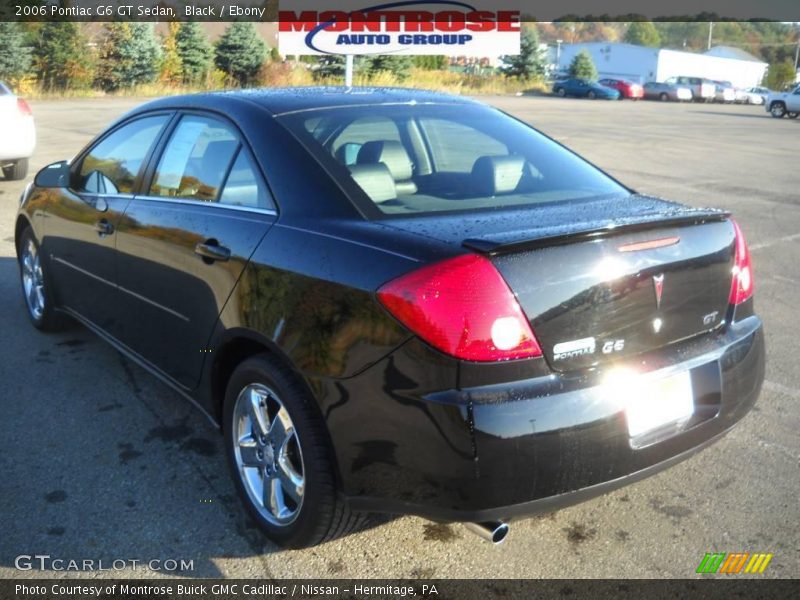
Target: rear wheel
<point>663,96</point>
<point>591,95</point>
<point>280,457</point>
<point>561,92</point>
<point>17,171</point>
<point>36,285</point>
<point>792,115</point>
<point>777,110</point>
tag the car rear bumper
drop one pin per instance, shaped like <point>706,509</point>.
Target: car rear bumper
<point>532,446</point>
<point>18,139</point>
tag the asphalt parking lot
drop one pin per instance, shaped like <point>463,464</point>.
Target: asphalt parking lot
<point>100,461</point>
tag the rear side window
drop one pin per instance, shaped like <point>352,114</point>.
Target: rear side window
<point>244,186</point>
<point>114,163</point>
<point>196,160</point>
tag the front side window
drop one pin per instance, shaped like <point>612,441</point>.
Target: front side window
<point>112,166</point>
<point>196,160</point>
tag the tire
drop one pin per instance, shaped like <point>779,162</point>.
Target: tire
<point>561,92</point>
<point>36,287</point>
<point>591,95</point>
<point>792,115</point>
<point>664,97</point>
<point>275,438</point>
<point>777,110</point>
<point>17,171</point>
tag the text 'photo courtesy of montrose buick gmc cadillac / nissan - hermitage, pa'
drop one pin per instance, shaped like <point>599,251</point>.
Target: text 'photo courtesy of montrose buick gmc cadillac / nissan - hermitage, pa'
<point>397,301</point>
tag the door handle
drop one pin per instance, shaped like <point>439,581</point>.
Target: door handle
<point>103,227</point>
<point>211,251</point>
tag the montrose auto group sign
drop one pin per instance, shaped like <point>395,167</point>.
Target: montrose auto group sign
<point>409,27</point>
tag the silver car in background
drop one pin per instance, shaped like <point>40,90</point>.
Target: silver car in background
<point>18,139</point>
<point>653,90</point>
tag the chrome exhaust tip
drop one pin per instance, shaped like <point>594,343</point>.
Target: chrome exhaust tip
<point>491,531</point>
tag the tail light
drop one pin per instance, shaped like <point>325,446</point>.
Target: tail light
<point>742,285</point>
<point>24,107</point>
<point>464,308</point>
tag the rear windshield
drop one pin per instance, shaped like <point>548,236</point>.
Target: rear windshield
<point>421,159</point>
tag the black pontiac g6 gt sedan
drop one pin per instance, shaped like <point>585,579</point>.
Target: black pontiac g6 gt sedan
<point>397,301</point>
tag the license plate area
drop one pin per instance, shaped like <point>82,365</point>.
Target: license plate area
<point>658,408</point>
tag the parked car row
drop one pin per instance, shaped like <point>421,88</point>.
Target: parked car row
<point>674,89</point>
<point>19,134</point>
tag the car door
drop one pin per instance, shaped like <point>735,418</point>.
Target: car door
<point>793,101</point>
<point>81,221</point>
<point>184,242</point>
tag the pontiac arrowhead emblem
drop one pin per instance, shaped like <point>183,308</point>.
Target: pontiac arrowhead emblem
<point>658,284</point>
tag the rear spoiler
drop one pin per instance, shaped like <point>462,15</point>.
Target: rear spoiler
<point>491,248</point>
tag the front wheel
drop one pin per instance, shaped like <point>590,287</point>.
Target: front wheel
<point>591,95</point>
<point>561,92</point>
<point>36,285</point>
<point>777,110</point>
<point>663,97</point>
<point>280,456</point>
<point>17,171</point>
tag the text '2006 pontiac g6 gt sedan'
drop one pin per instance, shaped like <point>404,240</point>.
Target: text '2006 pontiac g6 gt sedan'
<point>397,301</point>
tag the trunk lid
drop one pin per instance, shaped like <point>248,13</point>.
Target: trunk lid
<point>596,289</point>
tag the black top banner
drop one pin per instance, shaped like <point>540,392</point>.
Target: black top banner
<point>269,10</point>
<point>375,589</point>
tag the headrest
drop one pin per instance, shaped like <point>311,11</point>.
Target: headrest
<point>390,153</point>
<point>492,175</point>
<point>376,181</point>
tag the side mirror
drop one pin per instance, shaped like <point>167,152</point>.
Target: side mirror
<point>53,176</point>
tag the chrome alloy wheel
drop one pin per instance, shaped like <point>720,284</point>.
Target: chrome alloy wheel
<point>268,454</point>
<point>33,280</point>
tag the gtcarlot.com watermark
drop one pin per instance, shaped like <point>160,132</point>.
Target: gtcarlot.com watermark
<point>46,562</point>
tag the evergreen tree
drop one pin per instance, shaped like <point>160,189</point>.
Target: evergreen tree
<point>240,52</point>
<point>129,55</point>
<point>643,33</point>
<point>582,66</point>
<point>399,66</point>
<point>145,54</point>
<point>195,52</point>
<point>15,55</point>
<point>62,60</point>
<point>529,63</point>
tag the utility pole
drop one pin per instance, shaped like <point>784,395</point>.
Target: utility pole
<point>710,32</point>
<point>348,70</point>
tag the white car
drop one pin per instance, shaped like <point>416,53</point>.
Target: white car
<point>754,95</point>
<point>780,104</point>
<point>18,139</point>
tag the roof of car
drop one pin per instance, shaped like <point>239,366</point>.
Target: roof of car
<point>284,100</point>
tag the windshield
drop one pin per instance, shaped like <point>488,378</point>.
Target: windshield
<point>420,159</point>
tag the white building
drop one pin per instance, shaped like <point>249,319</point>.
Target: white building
<point>642,64</point>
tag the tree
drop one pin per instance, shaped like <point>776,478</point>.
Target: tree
<point>195,52</point>
<point>62,59</point>
<point>432,62</point>
<point>529,63</point>
<point>399,66</point>
<point>130,55</point>
<point>643,33</point>
<point>780,75</point>
<point>15,55</point>
<point>240,52</point>
<point>171,66</point>
<point>582,66</point>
